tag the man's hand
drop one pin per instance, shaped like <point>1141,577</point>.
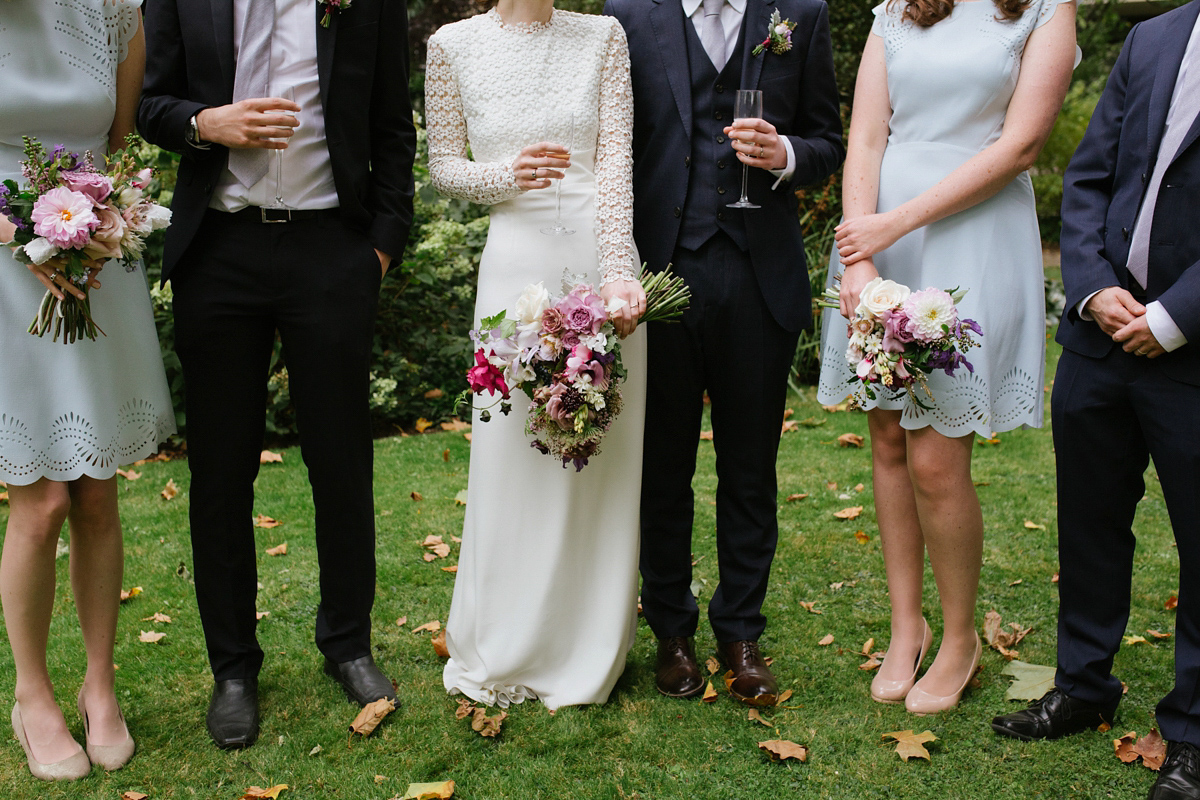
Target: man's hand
<point>757,143</point>
<point>258,122</point>
<point>1137,338</point>
<point>385,261</point>
<point>1113,309</point>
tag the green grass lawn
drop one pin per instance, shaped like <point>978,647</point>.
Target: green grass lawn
<point>638,745</point>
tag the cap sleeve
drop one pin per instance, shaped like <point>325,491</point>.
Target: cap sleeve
<point>122,20</point>
<point>880,12</point>
<point>1046,12</point>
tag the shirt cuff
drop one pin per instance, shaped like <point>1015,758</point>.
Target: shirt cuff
<point>1163,327</point>
<point>1079,309</point>
<point>785,173</point>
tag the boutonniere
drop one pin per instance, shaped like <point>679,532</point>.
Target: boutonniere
<point>779,35</point>
<point>339,5</point>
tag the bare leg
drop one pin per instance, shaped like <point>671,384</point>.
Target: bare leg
<point>36,516</point>
<point>97,563</point>
<point>950,517</point>
<point>902,541</point>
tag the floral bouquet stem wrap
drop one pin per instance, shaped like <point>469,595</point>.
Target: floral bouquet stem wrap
<point>77,216</point>
<point>898,336</point>
<point>565,354</point>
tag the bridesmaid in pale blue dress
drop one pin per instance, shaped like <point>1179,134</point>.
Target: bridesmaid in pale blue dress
<point>70,73</point>
<point>953,103</point>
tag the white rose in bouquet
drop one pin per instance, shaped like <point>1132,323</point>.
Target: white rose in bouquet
<point>533,301</point>
<point>880,295</point>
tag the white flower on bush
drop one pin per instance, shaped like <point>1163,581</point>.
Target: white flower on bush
<point>40,250</point>
<point>383,393</point>
<point>880,295</point>
<point>929,312</point>
<point>533,301</point>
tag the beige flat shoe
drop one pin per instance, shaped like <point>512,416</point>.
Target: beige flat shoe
<point>108,757</point>
<point>71,768</point>
<point>922,702</point>
<point>889,691</point>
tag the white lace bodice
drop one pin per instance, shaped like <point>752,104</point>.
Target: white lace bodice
<point>493,88</point>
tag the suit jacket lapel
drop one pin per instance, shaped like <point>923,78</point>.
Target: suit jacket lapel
<point>667,20</point>
<point>757,19</point>
<point>223,21</point>
<point>1168,57</point>
<point>326,39</point>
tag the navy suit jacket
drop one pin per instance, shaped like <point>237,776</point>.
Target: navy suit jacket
<point>799,98</point>
<point>362,61</point>
<point>1105,186</point>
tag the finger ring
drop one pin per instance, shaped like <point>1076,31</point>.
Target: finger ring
<point>534,177</point>
<point>53,275</point>
<point>1141,352</point>
<point>760,151</point>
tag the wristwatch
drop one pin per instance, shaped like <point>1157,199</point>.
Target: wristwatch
<point>192,136</point>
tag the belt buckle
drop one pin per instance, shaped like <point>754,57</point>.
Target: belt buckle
<point>271,216</point>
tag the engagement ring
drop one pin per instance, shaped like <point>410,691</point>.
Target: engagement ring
<point>535,169</point>
<point>760,151</point>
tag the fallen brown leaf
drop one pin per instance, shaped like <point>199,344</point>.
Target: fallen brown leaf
<point>784,697</point>
<point>791,498</point>
<point>755,716</point>
<point>1033,526</point>
<point>870,664</point>
<point>402,622</point>
<point>789,425</point>
<point>371,715</point>
<point>859,487</point>
<point>434,394</point>
<point>450,569</point>
<point>782,750</point>
<point>826,640</point>
<point>132,795</point>
<point>423,424</point>
<point>170,490</point>
<point>439,644</point>
<point>1000,640</point>
<point>158,617</point>
<point>1135,640</point>
<point>446,455</point>
<point>129,474</point>
<point>1172,601</point>
<point>911,745</point>
<point>263,521</point>
<point>416,496</point>
<point>150,637</point>
<point>257,792</point>
<point>728,678</point>
<point>261,615</point>
<point>129,594</point>
<point>861,537</point>
<point>467,436</point>
<point>429,791</point>
<point>850,440</point>
<point>1158,634</point>
<point>1054,578</point>
<point>267,457</point>
<point>706,436</point>
<point>842,406</point>
<point>465,708</point>
<point>427,557</point>
<point>433,626</point>
<point>712,665</point>
<point>807,606</point>
<point>1150,748</point>
<point>487,726</point>
<point>831,486</point>
<point>456,424</point>
<point>849,513</point>
<point>278,550</point>
<point>710,693</point>
<point>866,648</point>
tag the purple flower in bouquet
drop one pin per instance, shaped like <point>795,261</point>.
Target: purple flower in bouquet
<point>90,184</point>
<point>485,376</point>
<point>562,401</point>
<point>930,312</point>
<point>583,310</point>
<point>581,363</point>
<point>64,218</point>
<point>553,322</point>
<point>895,331</point>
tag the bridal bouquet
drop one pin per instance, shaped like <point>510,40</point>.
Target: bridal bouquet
<point>74,212</point>
<point>899,336</point>
<point>565,354</point>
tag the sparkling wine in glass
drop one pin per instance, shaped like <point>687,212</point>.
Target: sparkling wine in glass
<point>287,93</point>
<point>748,105</point>
<point>558,229</point>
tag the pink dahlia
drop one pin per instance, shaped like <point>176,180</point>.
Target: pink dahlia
<point>64,217</point>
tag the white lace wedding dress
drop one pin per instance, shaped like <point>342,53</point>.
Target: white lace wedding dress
<point>545,597</point>
<point>88,407</point>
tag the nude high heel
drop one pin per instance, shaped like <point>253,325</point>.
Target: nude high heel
<point>889,691</point>
<point>922,702</point>
<point>109,757</point>
<point>70,768</point>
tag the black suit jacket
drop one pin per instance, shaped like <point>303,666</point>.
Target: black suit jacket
<point>1105,186</point>
<point>362,59</point>
<point>799,98</point>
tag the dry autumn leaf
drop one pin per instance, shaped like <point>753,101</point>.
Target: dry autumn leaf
<point>416,496</point>
<point>402,621</point>
<point>911,745</point>
<point>433,626</point>
<point>129,594</point>
<point>791,498</point>
<point>170,490</point>
<point>132,795</point>
<point>261,615</point>
<point>826,640</point>
<point>452,569</point>
<point>782,750</point>
<point>728,678</point>
<point>434,394</point>
<point>706,436</point>
<point>439,645</point>
<point>831,486</point>
<point>267,457</point>
<point>712,665</point>
<point>789,425</point>
<point>158,617</point>
<point>150,637</point>
<point>1032,680</point>
<point>278,550</point>
<point>129,474</point>
<point>870,664</point>
<point>849,513</point>
<point>1000,640</point>
<point>861,537</point>
<point>1158,634</point>
<point>1150,748</point>
<point>1054,578</point>
<point>263,521</point>
<point>1171,603</point>
<point>456,424</point>
<point>1033,526</point>
<point>850,440</point>
<point>371,715</point>
<point>257,792</point>
<point>446,455</point>
<point>1135,640</point>
<point>428,557</point>
<point>487,726</point>
<point>866,648</point>
<point>859,487</point>
<point>755,716</point>
<point>807,606</point>
<point>784,697</point>
<point>710,693</point>
<point>460,499</point>
<point>429,791</point>
<point>423,424</point>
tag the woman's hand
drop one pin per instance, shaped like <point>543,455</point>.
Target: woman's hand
<point>52,278</point>
<point>631,299</point>
<point>854,278</point>
<point>538,164</point>
<point>757,143</point>
<point>863,237</point>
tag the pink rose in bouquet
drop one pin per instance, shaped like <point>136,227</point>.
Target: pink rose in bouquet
<point>90,184</point>
<point>106,238</point>
<point>583,310</point>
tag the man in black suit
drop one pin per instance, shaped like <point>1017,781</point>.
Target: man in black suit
<point>243,270</point>
<point>1128,385</point>
<point>750,295</point>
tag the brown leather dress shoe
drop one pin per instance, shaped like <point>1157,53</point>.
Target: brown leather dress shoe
<point>676,673</point>
<point>753,682</point>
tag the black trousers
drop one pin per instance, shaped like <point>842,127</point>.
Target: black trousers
<point>729,345</point>
<point>316,283</point>
<point>1110,416</point>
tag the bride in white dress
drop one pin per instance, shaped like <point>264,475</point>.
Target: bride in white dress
<point>545,597</point>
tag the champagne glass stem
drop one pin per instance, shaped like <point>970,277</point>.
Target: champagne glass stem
<point>745,183</point>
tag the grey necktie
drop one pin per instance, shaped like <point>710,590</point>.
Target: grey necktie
<point>250,80</point>
<point>1185,105</point>
<point>713,37</point>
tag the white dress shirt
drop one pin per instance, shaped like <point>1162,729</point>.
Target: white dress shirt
<point>1157,318</point>
<point>731,20</point>
<point>307,175</point>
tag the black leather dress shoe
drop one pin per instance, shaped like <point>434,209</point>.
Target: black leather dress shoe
<point>676,673</point>
<point>1179,778</point>
<point>233,713</point>
<point>363,681</point>
<point>1053,716</point>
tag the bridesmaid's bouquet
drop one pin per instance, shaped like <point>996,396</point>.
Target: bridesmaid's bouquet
<point>565,354</point>
<point>71,211</point>
<point>899,336</point>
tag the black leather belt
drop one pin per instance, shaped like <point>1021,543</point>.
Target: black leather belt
<point>268,216</point>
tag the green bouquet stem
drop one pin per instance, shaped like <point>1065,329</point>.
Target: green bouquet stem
<point>70,318</point>
<point>667,296</point>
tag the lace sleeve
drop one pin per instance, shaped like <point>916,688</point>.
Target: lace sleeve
<point>122,21</point>
<point>614,164</point>
<point>450,170</point>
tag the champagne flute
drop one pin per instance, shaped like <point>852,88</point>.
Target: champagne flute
<point>558,229</point>
<point>748,105</point>
<point>287,93</point>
